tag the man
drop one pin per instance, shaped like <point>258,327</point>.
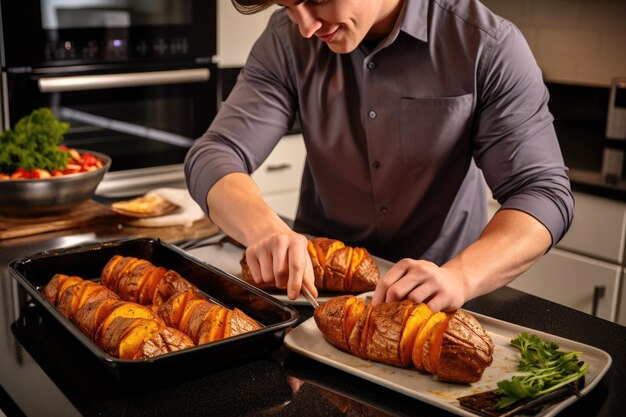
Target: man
<point>402,104</point>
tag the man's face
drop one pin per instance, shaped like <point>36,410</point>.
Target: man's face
<point>342,24</point>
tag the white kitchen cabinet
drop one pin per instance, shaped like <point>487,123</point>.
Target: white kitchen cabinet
<point>598,230</point>
<point>588,262</point>
<point>574,280</point>
<point>280,175</point>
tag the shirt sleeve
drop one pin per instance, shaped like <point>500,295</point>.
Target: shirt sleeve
<point>515,142</point>
<point>257,113</point>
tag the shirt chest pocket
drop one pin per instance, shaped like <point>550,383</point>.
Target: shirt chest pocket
<point>435,130</point>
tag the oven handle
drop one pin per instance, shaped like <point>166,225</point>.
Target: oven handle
<point>134,79</point>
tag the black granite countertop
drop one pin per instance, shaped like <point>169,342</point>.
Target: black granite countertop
<point>45,371</point>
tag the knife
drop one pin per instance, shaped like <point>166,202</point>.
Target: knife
<point>307,294</point>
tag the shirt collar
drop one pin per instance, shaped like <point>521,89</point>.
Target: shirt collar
<point>415,19</point>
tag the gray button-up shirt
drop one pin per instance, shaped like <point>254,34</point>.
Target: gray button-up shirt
<point>397,136</point>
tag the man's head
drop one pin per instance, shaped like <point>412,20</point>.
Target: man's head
<point>342,24</point>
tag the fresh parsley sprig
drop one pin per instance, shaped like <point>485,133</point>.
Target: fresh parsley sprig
<point>33,143</point>
<point>545,367</point>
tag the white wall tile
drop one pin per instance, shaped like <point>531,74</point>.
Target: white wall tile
<point>521,9</point>
<point>569,42</point>
<point>613,44</point>
<point>577,41</point>
<point>604,15</point>
<point>560,13</point>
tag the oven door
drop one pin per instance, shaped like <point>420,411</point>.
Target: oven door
<point>144,120</point>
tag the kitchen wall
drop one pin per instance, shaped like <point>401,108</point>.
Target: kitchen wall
<point>580,42</point>
<point>236,33</point>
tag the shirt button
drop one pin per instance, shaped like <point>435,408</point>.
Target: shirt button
<point>376,164</point>
<point>384,210</point>
<point>372,114</point>
<point>371,65</point>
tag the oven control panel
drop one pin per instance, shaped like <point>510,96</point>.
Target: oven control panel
<point>117,49</point>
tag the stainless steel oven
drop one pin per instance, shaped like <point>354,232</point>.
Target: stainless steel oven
<point>134,78</point>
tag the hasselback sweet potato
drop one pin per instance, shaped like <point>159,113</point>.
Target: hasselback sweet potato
<point>122,329</point>
<point>203,320</point>
<point>178,302</point>
<point>142,310</point>
<point>140,281</point>
<point>452,346</point>
<point>336,267</point>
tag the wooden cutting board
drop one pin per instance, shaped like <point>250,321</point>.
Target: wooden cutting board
<point>87,213</point>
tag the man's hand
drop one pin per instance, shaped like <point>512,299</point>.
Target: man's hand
<point>282,259</point>
<point>275,253</point>
<point>421,282</point>
<point>510,244</point>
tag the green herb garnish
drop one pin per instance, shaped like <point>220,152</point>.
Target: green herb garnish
<point>545,367</point>
<point>33,143</point>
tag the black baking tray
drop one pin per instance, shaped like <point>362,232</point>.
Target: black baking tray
<point>34,272</point>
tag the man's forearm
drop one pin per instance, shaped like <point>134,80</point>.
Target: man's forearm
<point>509,245</point>
<point>237,207</point>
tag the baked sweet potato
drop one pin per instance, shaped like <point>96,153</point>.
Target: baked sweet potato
<point>452,346</point>
<point>140,281</point>
<point>75,296</point>
<point>57,286</point>
<point>203,320</point>
<point>141,310</point>
<point>336,267</point>
<point>89,317</point>
<point>122,329</point>
<point>166,340</point>
<point>135,338</point>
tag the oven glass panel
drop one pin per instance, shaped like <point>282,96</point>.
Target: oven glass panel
<point>143,127</point>
<point>74,14</point>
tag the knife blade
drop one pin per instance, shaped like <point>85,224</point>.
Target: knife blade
<point>309,297</point>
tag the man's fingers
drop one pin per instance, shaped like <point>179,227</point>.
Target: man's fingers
<point>255,268</point>
<point>297,269</point>
<point>280,261</point>
<point>395,273</point>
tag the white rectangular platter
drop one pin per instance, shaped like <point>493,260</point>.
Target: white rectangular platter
<point>306,339</point>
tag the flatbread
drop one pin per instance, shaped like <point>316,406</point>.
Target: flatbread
<point>149,205</point>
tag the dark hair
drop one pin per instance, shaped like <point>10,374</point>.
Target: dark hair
<point>251,6</point>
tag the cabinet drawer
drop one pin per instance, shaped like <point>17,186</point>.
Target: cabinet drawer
<point>282,170</point>
<point>598,229</point>
<point>571,280</point>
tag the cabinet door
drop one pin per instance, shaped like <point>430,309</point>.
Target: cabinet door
<point>599,228</point>
<point>574,281</point>
<point>280,175</point>
<point>282,170</point>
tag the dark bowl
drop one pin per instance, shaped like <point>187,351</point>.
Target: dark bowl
<point>54,195</point>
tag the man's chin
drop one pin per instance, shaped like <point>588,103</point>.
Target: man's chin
<point>341,48</point>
